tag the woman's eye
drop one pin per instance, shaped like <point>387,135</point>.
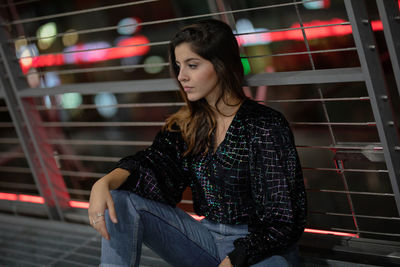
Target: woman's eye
<point>192,66</point>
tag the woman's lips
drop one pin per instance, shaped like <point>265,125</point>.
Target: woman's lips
<point>187,88</point>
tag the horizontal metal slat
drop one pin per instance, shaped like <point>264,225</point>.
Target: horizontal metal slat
<point>98,142</point>
<point>9,141</point>
<point>6,125</point>
<point>306,77</point>
<point>161,123</point>
<point>364,124</point>
<point>365,232</point>
<point>15,169</point>
<point>102,124</point>
<point>122,105</point>
<point>332,99</point>
<point>344,170</point>
<point>83,174</point>
<point>160,85</point>
<point>180,104</point>
<point>88,158</point>
<point>14,186</point>
<point>363,216</point>
<point>305,52</point>
<point>138,86</point>
<point>351,192</point>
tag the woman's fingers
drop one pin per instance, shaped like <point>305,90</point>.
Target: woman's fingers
<point>98,223</point>
<point>111,210</point>
<point>100,226</point>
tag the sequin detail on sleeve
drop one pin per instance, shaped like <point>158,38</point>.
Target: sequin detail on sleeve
<point>158,172</point>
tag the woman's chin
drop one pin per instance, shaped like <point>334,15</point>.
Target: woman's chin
<point>193,98</point>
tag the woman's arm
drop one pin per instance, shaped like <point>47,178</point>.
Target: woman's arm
<point>116,178</point>
<point>159,172</point>
<point>156,173</point>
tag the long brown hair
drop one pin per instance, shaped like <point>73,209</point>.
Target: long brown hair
<point>214,41</point>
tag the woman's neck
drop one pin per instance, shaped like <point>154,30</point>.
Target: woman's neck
<point>224,116</point>
<point>226,108</point>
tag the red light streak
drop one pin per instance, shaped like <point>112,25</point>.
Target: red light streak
<point>313,33</point>
<point>377,25</point>
<point>84,54</point>
<point>79,204</point>
<point>22,198</point>
<point>31,199</point>
<point>129,48</point>
<point>8,196</point>
<point>325,232</point>
<point>197,217</point>
<point>134,46</point>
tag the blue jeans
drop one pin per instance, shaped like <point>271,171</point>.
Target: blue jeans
<point>173,234</point>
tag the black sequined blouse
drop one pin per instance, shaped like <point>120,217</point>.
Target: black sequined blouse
<point>254,177</point>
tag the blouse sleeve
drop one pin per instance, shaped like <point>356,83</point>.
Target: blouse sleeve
<point>159,172</point>
<point>278,191</point>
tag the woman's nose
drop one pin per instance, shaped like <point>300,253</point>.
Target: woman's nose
<point>182,76</point>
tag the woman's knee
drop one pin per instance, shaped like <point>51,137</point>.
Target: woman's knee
<point>125,212</point>
<point>123,205</point>
<point>129,202</point>
<point>120,197</point>
<point>119,194</point>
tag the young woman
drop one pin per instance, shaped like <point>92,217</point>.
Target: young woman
<point>237,156</point>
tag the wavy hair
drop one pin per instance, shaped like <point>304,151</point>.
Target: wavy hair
<point>214,41</point>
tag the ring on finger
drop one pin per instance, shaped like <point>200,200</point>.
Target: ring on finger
<point>99,214</point>
<point>96,221</point>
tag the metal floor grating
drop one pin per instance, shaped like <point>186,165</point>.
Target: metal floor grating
<point>26,241</point>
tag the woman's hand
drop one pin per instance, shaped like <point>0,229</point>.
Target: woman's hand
<point>226,263</point>
<point>100,200</point>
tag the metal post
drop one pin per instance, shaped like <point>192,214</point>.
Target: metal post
<point>47,176</point>
<point>376,86</point>
<point>390,16</point>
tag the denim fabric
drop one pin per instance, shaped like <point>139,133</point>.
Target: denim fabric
<point>173,234</point>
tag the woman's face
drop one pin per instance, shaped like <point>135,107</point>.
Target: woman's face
<point>196,75</point>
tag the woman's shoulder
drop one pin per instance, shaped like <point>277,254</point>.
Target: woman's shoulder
<point>259,114</point>
<point>263,122</point>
